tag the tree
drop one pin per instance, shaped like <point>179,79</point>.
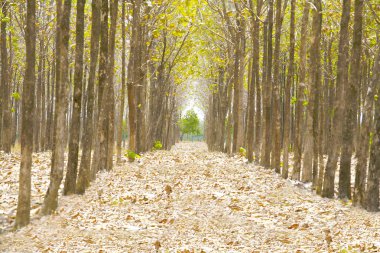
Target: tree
<point>289,81</point>
<point>300,94</point>
<point>85,174</point>
<point>122,95</point>
<point>189,124</point>
<point>63,28</point>
<point>351,105</point>
<point>72,164</point>
<point>372,194</point>
<point>5,82</point>
<point>342,78</point>
<point>23,204</point>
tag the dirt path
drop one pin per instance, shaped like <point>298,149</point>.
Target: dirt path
<point>190,200</point>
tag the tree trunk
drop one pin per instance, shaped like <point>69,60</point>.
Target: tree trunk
<point>342,79</point>
<point>72,163</point>
<point>122,95</point>
<point>276,154</point>
<point>351,105</point>
<point>362,152</point>
<point>5,82</point>
<point>23,205</point>
<point>300,94</point>
<point>104,90</point>
<point>256,69</point>
<point>372,194</point>
<point>132,78</point>
<point>85,174</point>
<point>111,94</point>
<point>288,85</point>
<point>267,58</point>
<point>238,89</point>
<point>63,33</point>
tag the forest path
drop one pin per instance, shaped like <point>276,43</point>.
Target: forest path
<point>192,199</point>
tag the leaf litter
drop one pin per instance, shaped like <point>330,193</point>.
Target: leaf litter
<point>184,200</point>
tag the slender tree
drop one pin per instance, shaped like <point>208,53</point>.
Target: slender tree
<point>85,174</point>
<point>72,164</point>
<point>351,105</point>
<point>342,78</point>
<point>62,65</point>
<point>122,95</point>
<point>5,83</point>
<point>373,179</point>
<point>300,93</point>
<point>23,204</point>
<point>289,81</point>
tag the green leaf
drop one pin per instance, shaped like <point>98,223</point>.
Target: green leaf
<point>16,96</point>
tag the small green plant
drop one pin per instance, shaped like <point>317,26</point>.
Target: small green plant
<point>131,155</point>
<point>157,145</point>
<point>242,152</point>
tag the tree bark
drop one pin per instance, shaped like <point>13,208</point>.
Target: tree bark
<point>122,95</point>
<point>342,78</point>
<point>63,33</point>
<point>5,82</point>
<point>85,174</point>
<point>110,106</point>
<point>351,105</point>
<point>72,163</point>
<point>362,152</point>
<point>288,85</point>
<point>300,94</point>
<point>23,204</point>
<point>268,51</point>
<point>276,154</point>
<point>372,194</point>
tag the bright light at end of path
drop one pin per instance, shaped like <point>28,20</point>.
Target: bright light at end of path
<point>197,110</point>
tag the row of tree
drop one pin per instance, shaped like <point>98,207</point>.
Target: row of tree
<point>66,72</point>
<point>289,79</point>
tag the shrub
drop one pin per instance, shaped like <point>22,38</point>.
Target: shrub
<point>157,145</point>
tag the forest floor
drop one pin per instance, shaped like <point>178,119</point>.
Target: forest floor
<point>184,200</point>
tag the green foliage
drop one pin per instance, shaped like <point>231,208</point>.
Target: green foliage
<point>242,152</point>
<point>16,96</point>
<point>189,124</point>
<point>131,155</point>
<point>157,145</point>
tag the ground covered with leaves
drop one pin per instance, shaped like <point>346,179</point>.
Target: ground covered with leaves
<point>184,200</point>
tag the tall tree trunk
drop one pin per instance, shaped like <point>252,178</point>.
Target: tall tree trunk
<point>122,95</point>
<point>38,96</point>
<point>23,204</point>
<point>351,105</point>
<point>342,79</point>
<point>372,194</point>
<point>288,85</point>
<point>84,176</point>
<point>238,134</point>
<point>251,93</point>
<point>256,69</point>
<point>300,94</point>
<point>132,75</point>
<point>276,154</point>
<point>111,94</point>
<point>268,49</point>
<point>362,152</point>
<point>5,82</point>
<point>72,163</point>
<point>104,90</point>
<point>63,34</point>
<point>310,161</point>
